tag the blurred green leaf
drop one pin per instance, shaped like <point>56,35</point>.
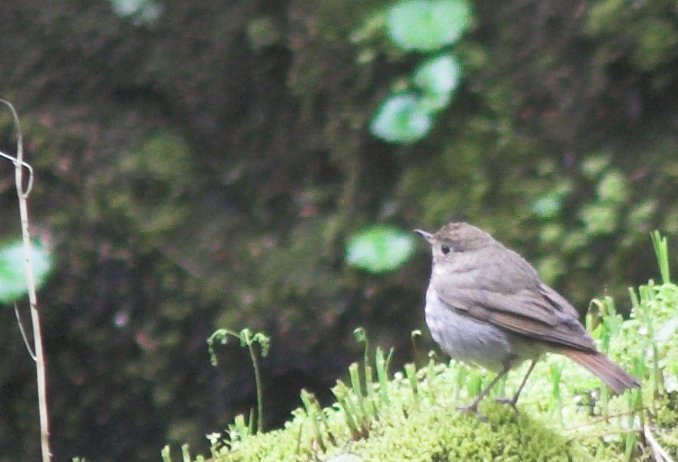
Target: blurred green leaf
<point>548,205</point>
<point>139,11</point>
<point>594,165</point>
<point>641,214</point>
<point>551,233</point>
<point>427,25</point>
<point>379,249</point>
<point>613,187</point>
<point>401,119</point>
<point>599,219</point>
<point>13,273</point>
<point>550,268</point>
<point>438,78</point>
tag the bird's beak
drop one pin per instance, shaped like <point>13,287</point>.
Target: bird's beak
<point>425,234</point>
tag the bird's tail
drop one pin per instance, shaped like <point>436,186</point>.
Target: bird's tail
<point>600,365</point>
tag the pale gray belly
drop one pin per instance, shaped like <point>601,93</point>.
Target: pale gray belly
<point>475,342</point>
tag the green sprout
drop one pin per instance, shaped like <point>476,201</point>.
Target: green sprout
<point>382,364</point>
<point>557,401</point>
<point>661,248</point>
<point>247,339</point>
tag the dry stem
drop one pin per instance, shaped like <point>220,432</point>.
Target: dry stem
<point>22,194</point>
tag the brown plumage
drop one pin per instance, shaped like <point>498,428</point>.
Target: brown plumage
<point>487,305</point>
<point>600,365</point>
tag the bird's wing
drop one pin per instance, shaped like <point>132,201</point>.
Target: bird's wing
<point>514,300</point>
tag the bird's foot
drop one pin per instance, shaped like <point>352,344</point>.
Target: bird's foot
<point>472,409</point>
<point>509,402</point>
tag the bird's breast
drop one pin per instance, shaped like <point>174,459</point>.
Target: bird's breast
<point>469,340</point>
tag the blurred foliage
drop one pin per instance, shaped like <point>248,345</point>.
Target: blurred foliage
<point>427,25</point>
<point>152,182</point>
<point>402,118</point>
<point>407,116</point>
<point>13,268</point>
<point>644,36</point>
<point>379,249</point>
<point>437,78</point>
<point>139,11</point>
<point>208,171</point>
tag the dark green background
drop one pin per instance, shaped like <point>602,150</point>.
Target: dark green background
<point>206,172</point>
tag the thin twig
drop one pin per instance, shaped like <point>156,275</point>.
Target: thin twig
<point>30,282</point>
<point>23,333</point>
<point>603,419</point>
<point>27,166</point>
<point>603,434</point>
<point>660,453</point>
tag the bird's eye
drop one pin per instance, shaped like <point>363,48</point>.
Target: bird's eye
<point>445,249</point>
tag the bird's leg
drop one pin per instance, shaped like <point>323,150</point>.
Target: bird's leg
<point>512,402</point>
<point>473,407</point>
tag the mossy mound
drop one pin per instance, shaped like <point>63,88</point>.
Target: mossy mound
<point>441,434</point>
<point>565,413</point>
<point>422,423</point>
<point>433,433</point>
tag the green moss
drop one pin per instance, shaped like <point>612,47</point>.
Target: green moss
<point>440,434</point>
<point>645,37</point>
<point>426,426</point>
<point>152,183</point>
<point>414,417</point>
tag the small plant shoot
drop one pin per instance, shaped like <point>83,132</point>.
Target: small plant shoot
<point>13,272</point>
<point>379,249</point>
<point>247,340</point>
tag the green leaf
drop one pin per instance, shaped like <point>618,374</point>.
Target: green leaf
<point>594,165</point>
<point>438,78</point>
<point>427,25</point>
<point>548,206</point>
<point>139,11</point>
<point>599,219</point>
<point>379,249</point>
<point>13,273</point>
<point>401,119</point>
<point>613,187</point>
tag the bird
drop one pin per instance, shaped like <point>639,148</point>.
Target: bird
<point>487,306</point>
